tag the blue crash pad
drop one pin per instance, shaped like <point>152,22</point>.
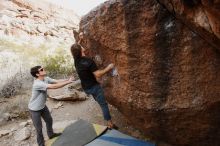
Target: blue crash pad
<point>116,138</point>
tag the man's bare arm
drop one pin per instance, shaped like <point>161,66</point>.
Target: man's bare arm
<point>60,84</point>
<point>62,80</point>
<point>99,73</point>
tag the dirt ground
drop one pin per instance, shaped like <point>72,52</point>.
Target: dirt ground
<point>88,110</point>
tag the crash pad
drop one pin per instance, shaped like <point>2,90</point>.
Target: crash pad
<point>116,138</point>
<point>78,134</point>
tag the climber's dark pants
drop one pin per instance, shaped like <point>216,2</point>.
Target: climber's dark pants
<point>98,94</point>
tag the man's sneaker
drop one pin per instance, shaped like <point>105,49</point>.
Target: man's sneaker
<point>54,135</point>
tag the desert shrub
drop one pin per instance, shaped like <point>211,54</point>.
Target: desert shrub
<point>12,86</point>
<point>13,77</point>
<point>54,57</point>
<point>16,106</point>
<point>58,64</point>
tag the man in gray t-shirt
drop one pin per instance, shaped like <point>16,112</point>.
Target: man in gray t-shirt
<point>37,103</point>
<point>39,93</point>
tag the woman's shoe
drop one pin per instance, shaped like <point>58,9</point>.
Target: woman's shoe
<point>113,127</point>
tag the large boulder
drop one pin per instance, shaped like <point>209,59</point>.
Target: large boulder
<point>201,16</point>
<point>168,81</point>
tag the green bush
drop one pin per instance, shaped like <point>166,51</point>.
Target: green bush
<point>58,64</point>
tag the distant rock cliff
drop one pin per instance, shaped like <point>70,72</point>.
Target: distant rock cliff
<point>36,20</point>
<point>167,55</point>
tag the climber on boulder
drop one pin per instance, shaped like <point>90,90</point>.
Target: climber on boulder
<point>89,74</point>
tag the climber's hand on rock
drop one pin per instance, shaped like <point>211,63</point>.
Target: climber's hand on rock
<point>81,35</point>
<point>110,66</point>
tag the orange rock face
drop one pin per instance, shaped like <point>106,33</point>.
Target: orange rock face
<point>169,76</point>
<point>201,16</point>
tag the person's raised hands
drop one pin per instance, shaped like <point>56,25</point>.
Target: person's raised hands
<point>71,79</point>
<point>110,66</point>
<point>81,35</point>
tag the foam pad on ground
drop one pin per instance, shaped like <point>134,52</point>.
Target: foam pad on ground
<point>78,134</point>
<point>116,138</point>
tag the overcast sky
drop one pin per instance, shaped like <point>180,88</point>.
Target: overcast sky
<point>81,7</point>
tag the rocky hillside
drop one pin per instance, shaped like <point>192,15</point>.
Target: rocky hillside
<point>36,21</point>
<point>167,56</point>
<point>32,32</point>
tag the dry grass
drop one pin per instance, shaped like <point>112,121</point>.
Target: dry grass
<point>12,86</point>
<point>17,105</point>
